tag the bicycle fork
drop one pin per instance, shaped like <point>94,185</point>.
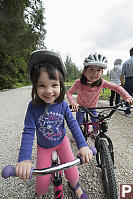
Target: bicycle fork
<point>57,179</point>
<point>102,135</point>
<point>98,147</point>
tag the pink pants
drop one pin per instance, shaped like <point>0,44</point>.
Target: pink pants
<point>44,160</point>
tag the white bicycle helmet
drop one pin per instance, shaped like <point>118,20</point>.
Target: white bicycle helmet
<point>96,59</point>
<point>46,56</point>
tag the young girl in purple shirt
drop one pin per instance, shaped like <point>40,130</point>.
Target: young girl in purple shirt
<point>45,116</point>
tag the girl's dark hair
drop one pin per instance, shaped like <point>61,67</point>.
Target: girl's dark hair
<point>54,74</point>
<point>84,81</point>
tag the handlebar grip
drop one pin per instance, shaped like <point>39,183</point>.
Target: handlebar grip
<point>8,171</point>
<point>94,151</point>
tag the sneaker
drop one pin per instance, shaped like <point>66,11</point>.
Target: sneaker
<point>128,115</point>
<point>83,195</point>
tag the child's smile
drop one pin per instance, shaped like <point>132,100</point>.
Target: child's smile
<point>93,73</point>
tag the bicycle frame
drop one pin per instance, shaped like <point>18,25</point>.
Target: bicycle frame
<point>94,130</point>
<point>57,178</point>
<point>100,129</point>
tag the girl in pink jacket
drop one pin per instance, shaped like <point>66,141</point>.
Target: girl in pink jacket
<point>90,84</point>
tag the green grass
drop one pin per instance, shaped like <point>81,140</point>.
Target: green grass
<point>18,85</point>
<point>105,94</point>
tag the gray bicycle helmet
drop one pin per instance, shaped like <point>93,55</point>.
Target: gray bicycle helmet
<point>45,56</point>
<point>96,59</point>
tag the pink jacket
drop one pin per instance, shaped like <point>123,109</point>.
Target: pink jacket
<point>88,97</point>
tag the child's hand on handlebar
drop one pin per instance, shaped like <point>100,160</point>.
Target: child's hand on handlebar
<point>86,154</point>
<point>75,107</point>
<point>23,169</point>
<point>130,101</point>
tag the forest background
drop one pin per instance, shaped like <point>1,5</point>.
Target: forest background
<point>22,30</point>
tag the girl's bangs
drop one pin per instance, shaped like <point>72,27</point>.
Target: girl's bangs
<point>53,74</point>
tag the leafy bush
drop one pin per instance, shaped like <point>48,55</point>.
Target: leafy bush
<point>105,94</point>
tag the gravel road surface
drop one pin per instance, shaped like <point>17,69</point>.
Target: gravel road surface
<point>13,105</point>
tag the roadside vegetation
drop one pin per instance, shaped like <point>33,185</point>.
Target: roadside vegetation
<point>22,25</point>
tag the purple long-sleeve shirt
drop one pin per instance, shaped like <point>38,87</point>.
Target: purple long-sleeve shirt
<point>49,128</point>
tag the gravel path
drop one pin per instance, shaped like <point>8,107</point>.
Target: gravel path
<point>13,105</point>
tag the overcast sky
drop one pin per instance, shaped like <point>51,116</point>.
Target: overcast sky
<point>78,27</point>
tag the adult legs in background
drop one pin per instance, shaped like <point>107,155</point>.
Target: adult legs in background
<point>112,97</point>
<point>117,99</point>
<point>129,88</point>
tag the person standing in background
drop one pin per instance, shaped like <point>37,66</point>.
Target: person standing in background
<point>127,75</point>
<point>115,74</point>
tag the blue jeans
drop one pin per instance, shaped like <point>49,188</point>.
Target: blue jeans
<point>80,117</point>
<point>129,88</point>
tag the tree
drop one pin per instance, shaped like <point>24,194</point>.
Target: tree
<point>72,71</point>
<point>22,31</point>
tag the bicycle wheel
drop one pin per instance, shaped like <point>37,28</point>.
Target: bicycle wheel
<point>108,175</point>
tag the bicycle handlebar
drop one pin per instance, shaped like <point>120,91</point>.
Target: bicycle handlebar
<point>101,116</point>
<point>9,170</point>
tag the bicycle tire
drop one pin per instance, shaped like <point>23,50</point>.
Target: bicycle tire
<point>108,175</point>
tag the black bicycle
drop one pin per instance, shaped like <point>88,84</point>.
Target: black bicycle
<point>103,143</point>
